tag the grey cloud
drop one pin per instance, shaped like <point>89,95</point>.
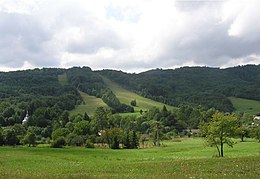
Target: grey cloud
<point>210,45</point>
<point>23,39</point>
<point>203,39</point>
<point>95,40</point>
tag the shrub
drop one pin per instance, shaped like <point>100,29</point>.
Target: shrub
<point>89,144</point>
<point>58,143</point>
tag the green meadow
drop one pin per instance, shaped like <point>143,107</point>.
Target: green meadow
<point>184,158</point>
<point>89,105</point>
<point>245,105</point>
<point>125,96</point>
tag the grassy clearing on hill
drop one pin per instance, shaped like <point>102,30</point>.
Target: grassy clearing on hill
<point>63,79</point>
<point>125,96</point>
<point>245,105</point>
<point>89,106</point>
<point>185,159</point>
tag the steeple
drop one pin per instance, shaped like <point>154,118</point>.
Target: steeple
<point>25,120</point>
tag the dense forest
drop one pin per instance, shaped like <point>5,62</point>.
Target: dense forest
<point>198,92</point>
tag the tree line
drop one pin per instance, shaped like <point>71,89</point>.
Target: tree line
<point>115,131</point>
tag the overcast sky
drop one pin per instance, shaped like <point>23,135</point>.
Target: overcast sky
<point>128,35</point>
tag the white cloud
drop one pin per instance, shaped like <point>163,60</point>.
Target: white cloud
<point>128,35</point>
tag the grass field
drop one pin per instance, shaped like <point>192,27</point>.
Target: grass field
<point>89,106</point>
<point>126,96</point>
<point>186,159</point>
<point>244,105</point>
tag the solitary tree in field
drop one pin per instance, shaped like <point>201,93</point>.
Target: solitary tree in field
<point>220,130</point>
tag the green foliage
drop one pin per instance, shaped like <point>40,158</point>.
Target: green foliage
<point>115,142</point>
<point>60,132</point>
<point>133,102</point>
<point>256,133</point>
<point>113,137</point>
<point>87,81</point>
<point>30,139</point>
<point>1,137</point>
<point>10,137</point>
<point>131,140</point>
<point>242,132</point>
<point>204,86</point>
<point>220,130</point>
<point>100,119</point>
<point>58,142</point>
<point>36,91</point>
<point>81,128</point>
<point>89,144</point>
<point>75,140</point>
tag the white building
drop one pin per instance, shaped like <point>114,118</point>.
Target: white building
<point>25,120</point>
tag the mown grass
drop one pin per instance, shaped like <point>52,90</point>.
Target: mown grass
<point>186,159</point>
<point>89,105</point>
<point>245,105</point>
<point>125,96</point>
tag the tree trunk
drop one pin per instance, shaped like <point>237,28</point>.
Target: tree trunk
<point>157,135</point>
<point>221,149</point>
<point>242,138</point>
<point>217,149</point>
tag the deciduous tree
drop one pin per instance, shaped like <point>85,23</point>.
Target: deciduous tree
<point>219,131</point>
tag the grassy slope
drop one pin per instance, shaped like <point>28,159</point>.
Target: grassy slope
<point>185,159</point>
<point>89,106</point>
<point>90,102</point>
<point>244,105</point>
<point>126,96</point>
<point>63,79</point>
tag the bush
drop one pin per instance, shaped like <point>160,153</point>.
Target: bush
<point>115,143</point>
<point>75,140</point>
<point>89,144</point>
<point>133,103</point>
<point>58,143</point>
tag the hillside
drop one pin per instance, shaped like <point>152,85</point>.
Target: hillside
<point>251,107</point>
<point>209,87</point>
<point>125,96</point>
<point>47,93</point>
<point>89,105</point>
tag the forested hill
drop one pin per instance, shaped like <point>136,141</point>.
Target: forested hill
<point>40,92</point>
<point>209,87</point>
